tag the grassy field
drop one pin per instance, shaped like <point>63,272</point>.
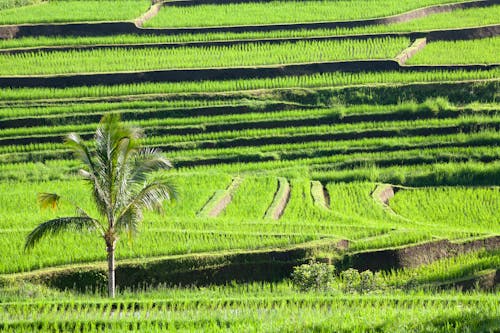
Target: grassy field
<point>119,60</point>
<point>457,19</point>
<point>262,308</point>
<point>481,51</point>
<point>59,11</point>
<point>397,171</point>
<point>281,12</point>
<point>337,79</point>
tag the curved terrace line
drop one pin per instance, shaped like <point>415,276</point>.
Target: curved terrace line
<point>271,124</point>
<point>219,201</point>
<point>415,255</point>
<point>272,252</point>
<point>134,114</point>
<point>115,28</point>
<point>273,139</point>
<point>228,73</point>
<point>329,119</point>
<point>280,201</point>
<point>58,154</point>
<point>430,35</point>
<point>320,195</point>
<point>252,93</point>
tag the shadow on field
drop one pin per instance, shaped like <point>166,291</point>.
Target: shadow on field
<point>194,270</point>
<point>272,266</point>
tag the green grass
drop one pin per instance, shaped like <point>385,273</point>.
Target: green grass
<point>482,51</point>
<point>82,109</point>
<point>7,4</point>
<point>307,81</point>
<point>59,11</point>
<point>456,19</point>
<point>281,12</point>
<point>259,307</point>
<point>466,207</point>
<point>251,199</point>
<point>110,60</point>
<point>223,133</point>
<point>179,231</point>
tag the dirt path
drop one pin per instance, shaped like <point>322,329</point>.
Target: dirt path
<point>418,45</point>
<point>152,12</point>
<point>219,201</point>
<point>280,201</point>
<point>320,195</point>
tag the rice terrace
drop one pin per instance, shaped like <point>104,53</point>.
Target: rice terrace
<point>249,166</point>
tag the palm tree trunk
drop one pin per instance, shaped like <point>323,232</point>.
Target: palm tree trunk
<point>111,269</point>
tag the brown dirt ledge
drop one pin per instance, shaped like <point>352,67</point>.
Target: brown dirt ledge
<point>192,269</point>
<point>280,201</point>
<point>488,280</point>
<point>416,255</point>
<point>219,201</point>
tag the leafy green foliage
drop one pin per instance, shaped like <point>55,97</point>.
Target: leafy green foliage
<point>365,282</point>
<point>313,276</point>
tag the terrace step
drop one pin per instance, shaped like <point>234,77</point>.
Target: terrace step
<point>157,113</point>
<point>280,201</point>
<point>413,49</point>
<point>251,72</point>
<point>416,255</point>
<point>219,201</point>
<point>204,127</point>
<point>117,28</point>
<point>432,35</point>
<point>320,195</point>
<point>486,280</point>
<point>190,269</point>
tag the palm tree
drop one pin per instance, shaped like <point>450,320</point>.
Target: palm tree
<point>119,173</point>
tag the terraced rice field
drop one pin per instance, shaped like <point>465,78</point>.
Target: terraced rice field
<point>210,57</point>
<point>289,143</point>
<point>281,12</point>
<point>63,11</point>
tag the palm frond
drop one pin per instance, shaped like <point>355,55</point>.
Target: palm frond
<point>48,200</point>
<point>129,221</point>
<point>146,161</point>
<point>115,144</point>
<point>55,226</point>
<point>80,149</point>
<point>151,196</point>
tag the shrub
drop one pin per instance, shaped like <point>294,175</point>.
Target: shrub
<point>313,276</point>
<point>355,282</point>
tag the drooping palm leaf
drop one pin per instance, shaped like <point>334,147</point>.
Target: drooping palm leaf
<point>48,200</point>
<point>151,196</point>
<point>148,160</point>
<point>58,225</point>
<point>80,149</point>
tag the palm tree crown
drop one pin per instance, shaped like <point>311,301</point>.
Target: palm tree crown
<point>120,175</point>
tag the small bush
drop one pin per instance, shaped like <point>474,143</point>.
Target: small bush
<point>355,282</point>
<point>313,276</point>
